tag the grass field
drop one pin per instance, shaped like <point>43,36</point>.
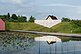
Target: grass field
<point>63,27</point>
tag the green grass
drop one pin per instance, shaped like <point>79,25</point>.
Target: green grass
<point>67,27</point>
<point>25,26</point>
<point>63,27</point>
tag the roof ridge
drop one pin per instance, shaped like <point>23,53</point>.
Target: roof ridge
<point>52,17</point>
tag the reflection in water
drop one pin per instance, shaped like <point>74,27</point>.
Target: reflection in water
<point>11,43</point>
<point>70,47</point>
<point>48,38</point>
<point>15,44</point>
<point>51,42</point>
<point>23,44</point>
<point>57,47</point>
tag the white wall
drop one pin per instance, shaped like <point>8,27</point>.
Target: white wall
<point>47,23</point>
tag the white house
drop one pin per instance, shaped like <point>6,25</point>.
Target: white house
<point>48,22</point>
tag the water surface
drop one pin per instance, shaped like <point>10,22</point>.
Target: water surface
<point>10,44</point>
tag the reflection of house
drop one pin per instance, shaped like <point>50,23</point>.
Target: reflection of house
<point>48,38</point>
<point>49,22</point>
<point>2,25</point>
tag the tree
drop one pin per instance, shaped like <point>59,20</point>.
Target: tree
<point>32,19</point>
<point>22,18</point>
<point>14,16</point>
<point>65,19</point>
<point>77,22</point>
<point>9,15</point>
<point>3,17</point>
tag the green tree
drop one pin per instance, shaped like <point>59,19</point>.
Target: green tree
<point>14,16</point>
<point>8,15</point>
<point>65,19</point>
<point>22,19</point>
<point>3,17</point>
<point>32,19</point>
<point>77,22</point>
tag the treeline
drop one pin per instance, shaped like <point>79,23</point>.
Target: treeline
<point>76,22</point>
<point>15,18</point>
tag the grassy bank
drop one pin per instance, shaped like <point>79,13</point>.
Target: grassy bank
<point>25,26</point>
<point>64,27</point>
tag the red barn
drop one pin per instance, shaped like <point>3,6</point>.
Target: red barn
<point>2,25</point>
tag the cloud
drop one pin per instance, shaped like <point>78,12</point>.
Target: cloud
<point>77,9</point>
<point>17,1</point>
<point>65,5</point>
<point>12,1</point>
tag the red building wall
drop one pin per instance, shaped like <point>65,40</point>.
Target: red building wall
<point>2,25</point>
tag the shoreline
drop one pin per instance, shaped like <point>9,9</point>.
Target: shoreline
<point>45,33</point>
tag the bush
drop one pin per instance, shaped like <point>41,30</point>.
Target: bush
<point>65,19</point>
<point>77,22</point>
<point>32,19</point>
<point>78,30</point>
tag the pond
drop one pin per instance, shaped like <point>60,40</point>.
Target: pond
<point>22,43</point>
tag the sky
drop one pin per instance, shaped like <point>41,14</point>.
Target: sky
<point>40,9</point>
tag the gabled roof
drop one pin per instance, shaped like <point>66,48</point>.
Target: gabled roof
<point>52,17</point>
